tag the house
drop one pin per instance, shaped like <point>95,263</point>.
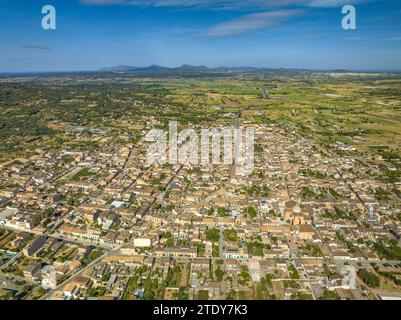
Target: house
<point>69,289</point>
<point>177,252</point>
<point>305,232</point>
<point>264,206</point>
<point>236,253</point>
<point>35,246</point>
<point>31,271</point>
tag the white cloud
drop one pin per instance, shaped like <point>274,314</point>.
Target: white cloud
<point>227,4</point>
<point>250,22</point>
<point>394,39</point>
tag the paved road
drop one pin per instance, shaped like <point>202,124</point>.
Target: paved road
<point>11,261</point>
<point>9,285</point>
<point>236,148</point>
<point>221,242</point>
<point>60,237</point>
<point>283,176</point>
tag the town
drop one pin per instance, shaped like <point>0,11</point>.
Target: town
<point>84,215</point>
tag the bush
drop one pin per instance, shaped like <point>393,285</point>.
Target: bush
<point>370,279</point>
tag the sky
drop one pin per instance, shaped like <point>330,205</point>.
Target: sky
<point>91,34</point>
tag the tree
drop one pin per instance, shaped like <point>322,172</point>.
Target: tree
<point>213,235</point>
<point>201,249</point>
<point>369,278</point>
<point>231,235</point>
<point>219,274</point>
<point>222,212</point>
<point>251,212</point>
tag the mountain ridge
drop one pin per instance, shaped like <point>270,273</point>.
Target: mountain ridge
<point>186,68</point>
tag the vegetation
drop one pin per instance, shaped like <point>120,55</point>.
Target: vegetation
<point>389,250</point>
<point>230,235</point>
<point>369,278</point>
<point>293,272</point>
<point>255,248</point>
<point>213,235</point>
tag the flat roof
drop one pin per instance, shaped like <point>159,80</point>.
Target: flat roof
<point>7,213</point>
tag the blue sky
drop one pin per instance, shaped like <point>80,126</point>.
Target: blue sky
<point>92,34</point>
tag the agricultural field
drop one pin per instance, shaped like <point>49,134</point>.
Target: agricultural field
<point>362,110</point>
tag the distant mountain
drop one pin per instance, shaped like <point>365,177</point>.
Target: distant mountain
<point>121,68</point>
<point>127,69</point>
<point>183,68</point>
<point>187,69</point>
<point>151,68</point>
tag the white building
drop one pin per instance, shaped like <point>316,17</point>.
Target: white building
<point>49,277</point>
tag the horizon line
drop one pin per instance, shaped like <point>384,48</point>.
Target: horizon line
<point>99,70</point>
